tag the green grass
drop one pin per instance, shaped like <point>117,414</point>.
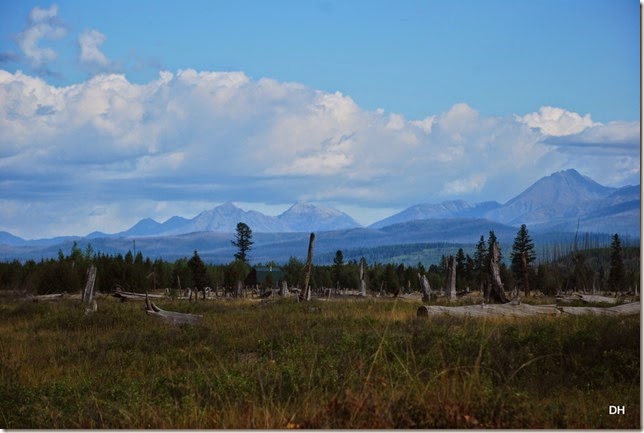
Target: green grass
<point>332,364</point>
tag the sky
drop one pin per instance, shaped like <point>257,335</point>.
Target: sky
<point>111,112</point>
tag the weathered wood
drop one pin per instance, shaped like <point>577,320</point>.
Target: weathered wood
<point>88,292</point>
<point>425,288</point>
<point>170,316</point>
<point>306,293</point>
<point>133,295</point>
<point>587,298</point>
<point>363,275</point>
<point>450,286</point>
<point>284,288</point>
<point>524,310</point>
<point>497,292</point>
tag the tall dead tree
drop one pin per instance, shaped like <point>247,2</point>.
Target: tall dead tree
<point>306,294</point>
<point>496,292</point>
<point>425,287</point>
<point>363,277</point>
<point>450,286</point>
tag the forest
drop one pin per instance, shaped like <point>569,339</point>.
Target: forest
<point>590,267</point>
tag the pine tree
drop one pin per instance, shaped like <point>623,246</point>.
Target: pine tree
<point>243,241</point>
<point>481,262</point>
<point>338,263</point>
<point>616,275</point>
<point>522,257</point>
<point>199,274</point>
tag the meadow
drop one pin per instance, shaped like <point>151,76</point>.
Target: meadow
<point>338,363</point>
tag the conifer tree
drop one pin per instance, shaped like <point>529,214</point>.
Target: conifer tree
<point>616,275</point>
<point>522,257</point>
<point>243,241</point>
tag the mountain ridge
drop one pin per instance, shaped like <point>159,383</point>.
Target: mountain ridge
<point>556,202</point>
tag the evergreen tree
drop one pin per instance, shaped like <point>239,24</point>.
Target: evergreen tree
<point>522,257</point>
<point>338,263</point>
<point>243,241</point>
<point>481,262</point>
<point>199,273</point>
<point>616,274</point>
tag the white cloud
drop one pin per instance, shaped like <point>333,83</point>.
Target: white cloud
<point>90,42</point>
<point>467,185</point>
<point>43,24</point>
<point>199,137</point>
<point>557,121</point>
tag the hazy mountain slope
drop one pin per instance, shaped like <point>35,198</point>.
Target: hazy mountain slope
<point>309,217</point>
<point>564,194</point>
<point>446,209</point>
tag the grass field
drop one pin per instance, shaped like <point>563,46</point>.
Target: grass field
<point>352,363</point>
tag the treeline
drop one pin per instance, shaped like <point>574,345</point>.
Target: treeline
<point>608,268</point>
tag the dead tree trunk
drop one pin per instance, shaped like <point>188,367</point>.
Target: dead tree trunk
<point>88,293</point>
<point>363,274</point>
<point>306,293</point>
<point>283,288</point>
<point>497,292</point>
<point>426,289</point>
<point>450,286</point>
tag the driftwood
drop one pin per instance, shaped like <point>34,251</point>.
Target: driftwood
<point>450,286</point>
<point>306,294</point>
<point>170,316</point>
<point>524,310</point>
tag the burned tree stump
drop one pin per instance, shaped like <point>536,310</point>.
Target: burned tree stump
<point>306,293</point>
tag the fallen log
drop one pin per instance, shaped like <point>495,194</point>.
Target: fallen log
<point>489,310</point>
<point>587,298</point>
<point>170,316</point>
<point>524,310</point>
<point>133,295</point>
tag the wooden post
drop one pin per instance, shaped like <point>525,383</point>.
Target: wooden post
<point>306,294</point>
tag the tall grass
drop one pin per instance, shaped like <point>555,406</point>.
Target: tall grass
<point>332,364</point>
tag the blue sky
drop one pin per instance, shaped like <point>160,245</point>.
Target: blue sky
<point>115,111</point>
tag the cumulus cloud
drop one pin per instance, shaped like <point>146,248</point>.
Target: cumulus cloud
<point>42,24</point>
<point>208,137</point>
<point>90,42</point>
<point>556,122</point>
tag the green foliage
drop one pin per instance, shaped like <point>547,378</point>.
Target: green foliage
<point>243,241</point>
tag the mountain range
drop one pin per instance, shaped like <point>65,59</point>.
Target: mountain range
<point>565,201</point>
